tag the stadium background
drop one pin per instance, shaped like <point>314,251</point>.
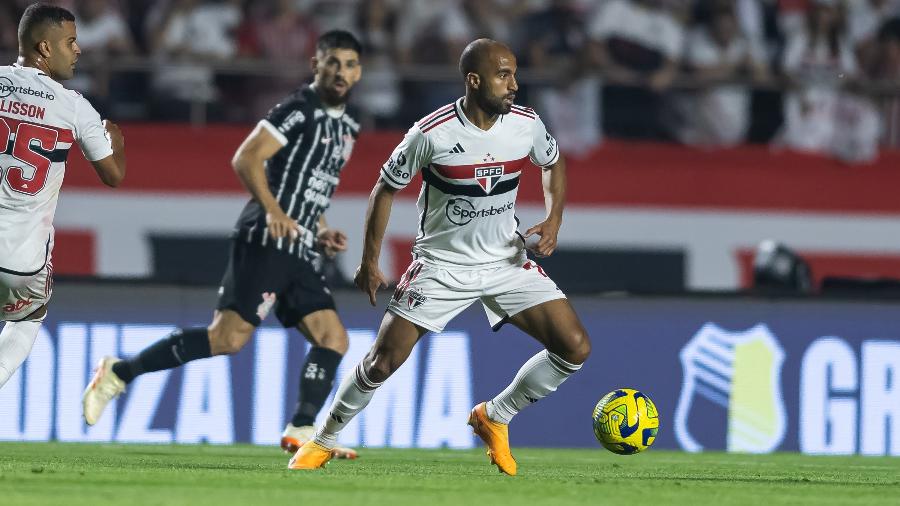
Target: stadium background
<point>656,247</point>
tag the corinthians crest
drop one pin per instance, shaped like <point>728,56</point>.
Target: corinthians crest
<point>735,377</point>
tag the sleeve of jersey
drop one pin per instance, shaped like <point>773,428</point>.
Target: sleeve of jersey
<point>544,150</point>
<point>284,121</point>
<point>89,132</point>
<point>413,153</point>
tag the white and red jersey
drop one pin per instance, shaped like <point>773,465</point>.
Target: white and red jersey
<point>39,122</point>
<point>470,181</point>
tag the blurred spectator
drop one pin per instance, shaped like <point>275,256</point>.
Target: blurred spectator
<point>554,43</point>
<point>282,34</point>
<point>887,72</point>
<point>718,56</point>
<point>864,18</point>
<point>102,33</point>
<point>331,14</point>
<point>9,25</point>
<point>187,35</point>
<point>637,46</point>
<point>378,95</point>
<point>432,31</point>
<point>820,116</point>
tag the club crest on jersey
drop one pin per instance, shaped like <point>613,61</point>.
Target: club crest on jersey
<point>488,177</point>
<point>415,298</point>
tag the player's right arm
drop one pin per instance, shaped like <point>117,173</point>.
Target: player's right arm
<point>414,151</point>
<point>369,277</point>
<point>249,165</point>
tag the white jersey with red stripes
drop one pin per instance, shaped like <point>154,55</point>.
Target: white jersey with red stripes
<point>470,181</point>
<point>39,122</point>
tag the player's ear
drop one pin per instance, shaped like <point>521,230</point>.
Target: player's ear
<point>473,80</point>
<point>43,48</point>
<point>314,64</point>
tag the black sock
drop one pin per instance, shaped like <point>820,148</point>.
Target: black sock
<point>316,380</point>
<point>181,346</point>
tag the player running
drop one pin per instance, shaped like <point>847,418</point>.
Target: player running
<point>470,153</point>
<point>291,164</point>
<point>39,122</point>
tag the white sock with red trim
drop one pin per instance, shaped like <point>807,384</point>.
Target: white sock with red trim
<point>16,341</point>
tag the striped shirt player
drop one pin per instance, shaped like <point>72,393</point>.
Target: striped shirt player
<point>290,164</point>
<point>303,176</point>
<point>317,141</point>
<point>40,120</point>
<point>467,222</point>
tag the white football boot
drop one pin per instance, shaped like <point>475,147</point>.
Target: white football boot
<point>104,387</point>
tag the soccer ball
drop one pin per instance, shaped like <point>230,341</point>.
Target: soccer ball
<point>625,421</point>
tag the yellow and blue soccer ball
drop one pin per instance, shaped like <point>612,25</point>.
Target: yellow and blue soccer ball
<point>625,421</point>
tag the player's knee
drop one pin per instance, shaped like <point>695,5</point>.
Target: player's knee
<point>380,367</point>
<point>226,342</point>
<point>579,346</point>
<point>336,340</point>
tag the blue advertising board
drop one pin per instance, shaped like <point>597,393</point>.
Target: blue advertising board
<point>736,374</point>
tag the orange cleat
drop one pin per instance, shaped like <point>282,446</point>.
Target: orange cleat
<point>310,456</point>
<point>496,437</point>
<point>294,437</point>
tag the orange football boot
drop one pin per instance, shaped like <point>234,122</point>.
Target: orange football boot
<point>310,456</point>
<point>496,437</point>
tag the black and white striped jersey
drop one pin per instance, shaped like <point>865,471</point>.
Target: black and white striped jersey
<point>303,175</point>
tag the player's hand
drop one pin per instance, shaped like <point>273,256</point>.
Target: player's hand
<point>541,238</point>
<point>369,279</point>
<point>115,134</point>
<point>281,225</point>
<point>331,241</point>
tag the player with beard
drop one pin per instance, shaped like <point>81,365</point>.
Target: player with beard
<point>291,164</point>
<point>470,153</point>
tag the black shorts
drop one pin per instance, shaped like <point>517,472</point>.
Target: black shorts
<point>259,279</point>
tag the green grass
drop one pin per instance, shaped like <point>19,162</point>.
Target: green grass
<point>133,475</point>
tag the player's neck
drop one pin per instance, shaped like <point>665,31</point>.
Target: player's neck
<point>34,62</point>
<point>476,115</point>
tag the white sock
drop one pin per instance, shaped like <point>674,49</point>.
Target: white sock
<point>16,341</point>
<point>352,396</point>
<point>535,380</point>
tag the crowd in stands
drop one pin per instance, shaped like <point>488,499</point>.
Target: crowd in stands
<point>819,76</point>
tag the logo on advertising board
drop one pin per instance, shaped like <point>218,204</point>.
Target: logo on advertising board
<point>735,377</point>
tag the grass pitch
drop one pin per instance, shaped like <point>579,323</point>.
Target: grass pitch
<point>133,475</point>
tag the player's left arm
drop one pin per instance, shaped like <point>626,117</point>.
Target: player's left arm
<point>553,180</point>
<point>545,154</point>
<point>330,240</point>
<point>101,142</point>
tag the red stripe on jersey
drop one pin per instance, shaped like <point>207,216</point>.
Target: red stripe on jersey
<point>445,115</point>
<point>436,113</point>
<point>523,108</point>
<point>64,134</point>
<point>468,171</point>
<point>436,123</point>
<point>521,114</point>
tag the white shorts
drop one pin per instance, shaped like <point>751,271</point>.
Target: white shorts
<point>22,295</point>
<point>431,296</point>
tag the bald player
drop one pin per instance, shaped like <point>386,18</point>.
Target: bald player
<point>468,249</point>
<point>40,120</point>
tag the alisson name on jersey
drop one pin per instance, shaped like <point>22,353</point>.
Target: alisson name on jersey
<point>21,108</point>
